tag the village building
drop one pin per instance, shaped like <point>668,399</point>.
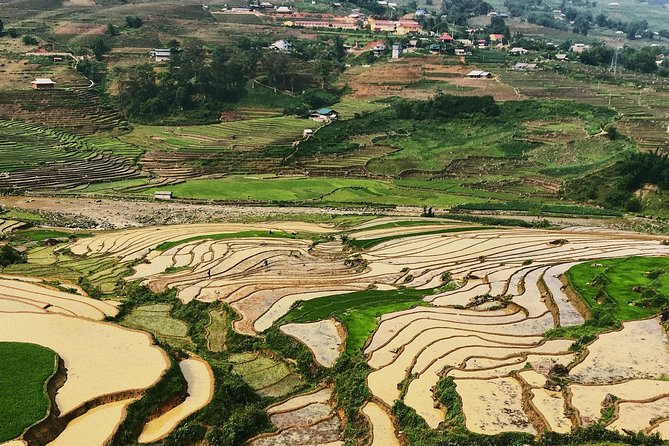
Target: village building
<point>378,48</point>
<point>162,195</point>
<point>161,54</point>
<point>281,45</point>
<point>445,37</point>
<point>283,10</point>
<point>43,84</point>
<point>407,26</point>
<point>525,66</point>
<point>397,50</point>
<point>400,27</point>
<point>497,38</point>
<point>579,48</point>
<point>477,74</point>
<point>561,56</point>
<point>381,25</point>
<point>518,50</point>
<point>347,24</point>
<point>323,115</point>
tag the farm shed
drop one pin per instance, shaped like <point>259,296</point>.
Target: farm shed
<point>520,66</point>
<point>281,45</point>
<point>518,50</point>
<point>477,74</point>
<point>162,195</point>
<point>323,115</point>
<point>161,54</point>
<point>43,84</point>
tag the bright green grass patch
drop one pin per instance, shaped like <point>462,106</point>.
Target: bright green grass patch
<point>612,285</point>
<point>38,234</point>
<point>15,214</point>
<point>112,186</point>
<point>24,371</point>
<point>365,244</point>
<point>358,311</point>
<point>317,191</point>
<point>243,234</point>
<point>405,223</point>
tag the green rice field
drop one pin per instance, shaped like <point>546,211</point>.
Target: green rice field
<point>24,372</point>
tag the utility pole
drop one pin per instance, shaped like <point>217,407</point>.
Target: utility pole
<point>614,61</point>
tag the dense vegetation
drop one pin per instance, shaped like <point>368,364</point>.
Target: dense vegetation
<point>24,372</point>
<point>198,83</point>
<point>10,256</point>
<point>615,185</point>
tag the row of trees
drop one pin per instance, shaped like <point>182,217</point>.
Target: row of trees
<point>643,60</point>
<point>580,19</point>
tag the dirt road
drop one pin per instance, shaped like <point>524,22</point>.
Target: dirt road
<point>116,214</point>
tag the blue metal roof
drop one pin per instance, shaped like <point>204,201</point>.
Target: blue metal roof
<point>324,111</point>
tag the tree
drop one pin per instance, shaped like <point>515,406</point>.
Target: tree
<point>137,86</point>
<point>111,30</point>
<point>339,50</point>
<point>134,22</point>
<point>29,40</point>
<point>2,26</point>
<point>10,256</point>
<point>323,68</point>
<point>498,26</point>
<point>13,33</point>
<point>99,48</point>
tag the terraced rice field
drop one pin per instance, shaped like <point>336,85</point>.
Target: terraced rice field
<point>304,419</point>
<point>7,226</point>
<point>102,272</point>
<point>643,113</point>
<point>486,336</point>
<point>200,390</point>
<point>156,319</point>
<point>482,343</point>
<point>33,157</point>
<point>76,111</point>
<point>250,146</point>
<point>267,376</point>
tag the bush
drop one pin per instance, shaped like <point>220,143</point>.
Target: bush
<point>10,256</point>
<point>29,40</point>
<point>446,107</point>
<point>134,22</point>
